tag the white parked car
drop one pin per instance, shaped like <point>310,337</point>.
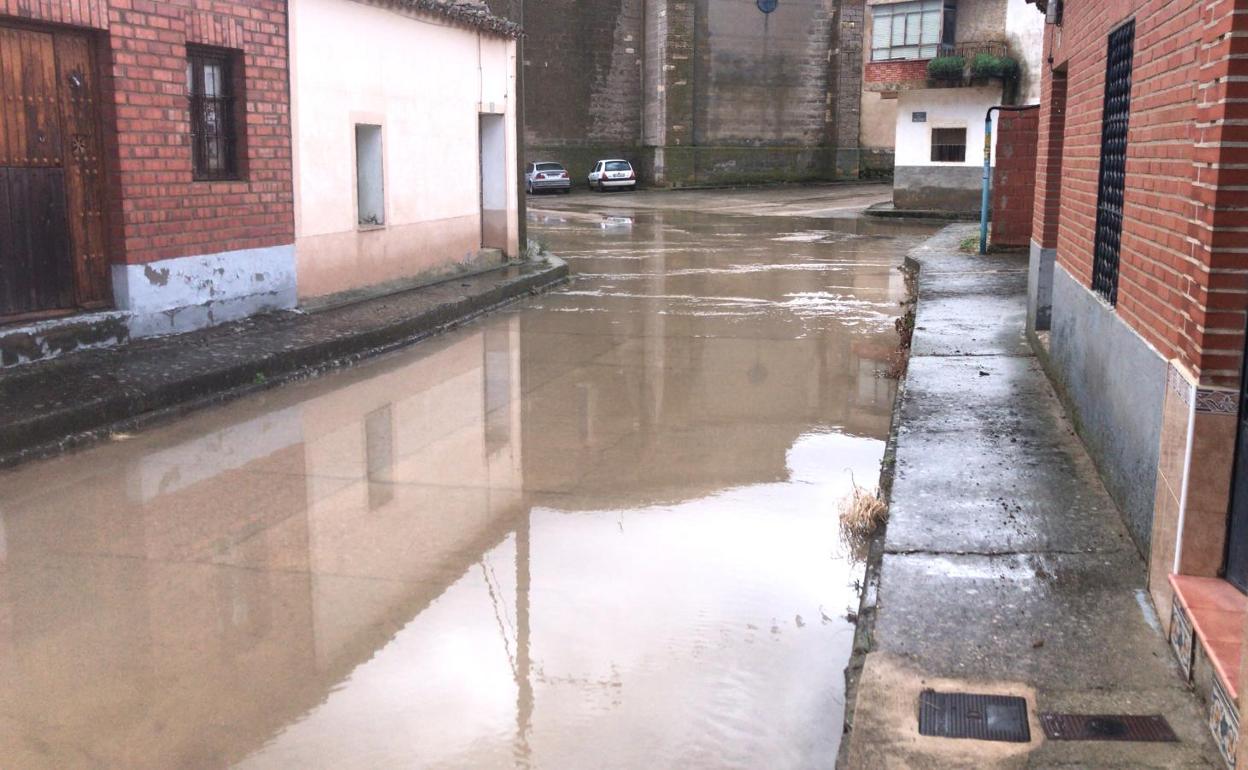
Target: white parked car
<point>612,175</point>
<point>546,176</point>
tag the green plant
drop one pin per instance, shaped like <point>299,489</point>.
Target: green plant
<point>986,65</point>
<point>946,67</point>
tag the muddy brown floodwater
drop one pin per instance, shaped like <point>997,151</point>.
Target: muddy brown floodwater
<point>597,529</point>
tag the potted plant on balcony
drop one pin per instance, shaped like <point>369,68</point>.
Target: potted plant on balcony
<point>986,65</point>
<point>946,69</point>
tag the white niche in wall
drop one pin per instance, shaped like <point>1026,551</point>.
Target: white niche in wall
<point>369,176</point>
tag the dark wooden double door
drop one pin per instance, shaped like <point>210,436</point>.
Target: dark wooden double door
<point>52,234</point>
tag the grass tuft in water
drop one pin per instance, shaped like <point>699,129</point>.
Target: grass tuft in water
<point>862,512</point>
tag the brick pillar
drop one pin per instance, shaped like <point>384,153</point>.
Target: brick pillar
<point>674,155</point>
<point>1046,203</point>
<point>1211,340</point>
<point>1212,334</point>
<point>1014,177</point>
<point>1051,128</point>
<point>844,117</point>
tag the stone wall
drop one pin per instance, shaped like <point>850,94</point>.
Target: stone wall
<point>694,91</point>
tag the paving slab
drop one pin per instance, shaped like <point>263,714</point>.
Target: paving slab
<point>1006,567</point>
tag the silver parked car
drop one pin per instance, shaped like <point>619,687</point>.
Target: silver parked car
<point>546,176</point>
<point>612,175</point>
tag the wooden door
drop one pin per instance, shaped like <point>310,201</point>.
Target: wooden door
<point>52,251</point>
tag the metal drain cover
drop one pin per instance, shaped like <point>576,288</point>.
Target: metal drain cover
<point>979,717</point>
<point>1107,727</point>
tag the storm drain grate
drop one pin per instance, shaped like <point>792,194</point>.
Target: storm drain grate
<point>1107,727</point>
<point>967,715</point>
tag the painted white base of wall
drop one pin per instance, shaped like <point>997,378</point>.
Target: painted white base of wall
<point>172,296</point>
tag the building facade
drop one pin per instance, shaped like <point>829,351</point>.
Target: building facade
<point>693,91</point>
<point>1138,299</point>
<point>163,168</point>
<point>145,168</point>
<point>401,176</point>
<point>931,71</point>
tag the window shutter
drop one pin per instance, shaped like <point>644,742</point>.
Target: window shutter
<point>881,30</point>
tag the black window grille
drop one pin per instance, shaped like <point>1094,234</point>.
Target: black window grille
<point>214,127</point>
<point>1112,181</point>
<point>948,145</point>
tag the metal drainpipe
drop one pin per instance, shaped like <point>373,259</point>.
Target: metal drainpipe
<point>987,178</point>
<point>986,182</point>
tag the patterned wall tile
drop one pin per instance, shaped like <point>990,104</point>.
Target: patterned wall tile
<point>1181,638</point>
<point>1217,401</point>
<point>1224,723</point>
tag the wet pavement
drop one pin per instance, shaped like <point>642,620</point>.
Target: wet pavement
<point>597,529</point>
<point>1007,568</point>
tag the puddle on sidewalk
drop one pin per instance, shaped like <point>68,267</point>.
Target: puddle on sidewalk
<point>597,529</point>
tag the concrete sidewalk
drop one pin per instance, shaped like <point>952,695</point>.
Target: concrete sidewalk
<point>1006,567</point>
<point>71,400</point>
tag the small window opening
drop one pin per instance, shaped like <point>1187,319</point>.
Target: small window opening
<point>948,145</point>
<point>369,176</point>
<point>212,92</point>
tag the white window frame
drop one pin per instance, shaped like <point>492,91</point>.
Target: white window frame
<point>909,30</point>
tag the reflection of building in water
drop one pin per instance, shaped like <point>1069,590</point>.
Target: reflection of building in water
<point>177,605</point>
<point>680,394</point>
<point>241,587</point>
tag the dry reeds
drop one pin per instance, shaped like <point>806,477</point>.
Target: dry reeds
<point>862,511</point>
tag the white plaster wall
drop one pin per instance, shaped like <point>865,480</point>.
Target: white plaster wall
<point>945,108</point>
<point>1024,31</point>
<point>425,82</point>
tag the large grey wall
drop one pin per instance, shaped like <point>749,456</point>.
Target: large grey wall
<point>694,91</point>
<point>1114,384</point>
<point>582,72</point>
<point>762,79</point>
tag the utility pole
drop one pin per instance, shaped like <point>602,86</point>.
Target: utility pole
<point>517,15</point>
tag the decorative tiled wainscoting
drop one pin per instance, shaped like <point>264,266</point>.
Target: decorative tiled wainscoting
<point>1206,629</point>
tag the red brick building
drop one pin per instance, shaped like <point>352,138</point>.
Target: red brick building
<point>1139,287</point>
<point>145,163</point>
<point>1014,177</point>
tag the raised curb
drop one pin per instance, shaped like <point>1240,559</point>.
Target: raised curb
<point>76,399</point>
<point>887,211</point>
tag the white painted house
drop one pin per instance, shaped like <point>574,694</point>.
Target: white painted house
<point>935,125</point>
<point>405,143</point>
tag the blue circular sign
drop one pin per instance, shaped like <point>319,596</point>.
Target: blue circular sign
<point>767,6</point>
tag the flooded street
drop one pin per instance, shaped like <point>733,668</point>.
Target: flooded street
<point>595,529</point>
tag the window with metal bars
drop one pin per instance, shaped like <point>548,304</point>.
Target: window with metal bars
<point>948,145</point>
<point>1112,180</point>
<point>214,124</point>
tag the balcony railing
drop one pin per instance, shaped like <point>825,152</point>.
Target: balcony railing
<point>970,50</point>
